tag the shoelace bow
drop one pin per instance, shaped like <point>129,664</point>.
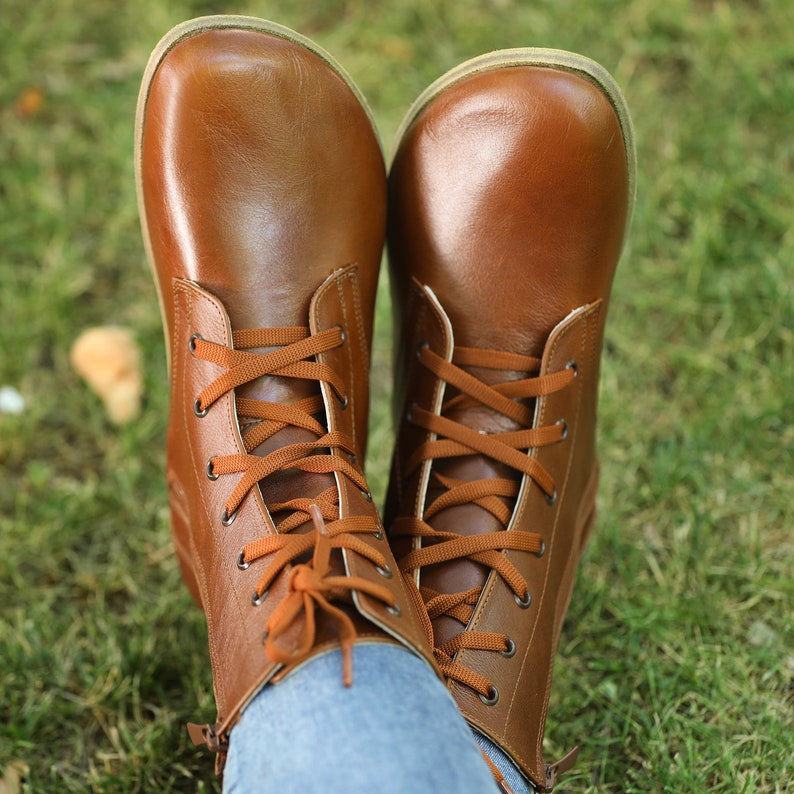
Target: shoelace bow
<point>495,495</point>
<point>310,587</point>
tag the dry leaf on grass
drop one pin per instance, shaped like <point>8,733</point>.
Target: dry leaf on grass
<point>30,102</point>
<point>13,775</point>
<point>108,359</point>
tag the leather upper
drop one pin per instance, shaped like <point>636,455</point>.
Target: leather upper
<point>252,188</point>
<point>509,197</point>
<point>263,197</point>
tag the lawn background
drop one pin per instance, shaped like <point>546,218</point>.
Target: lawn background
<point>676,665</point>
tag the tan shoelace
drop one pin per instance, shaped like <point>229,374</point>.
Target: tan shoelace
<point>311,585</point>
<point>494,495</point>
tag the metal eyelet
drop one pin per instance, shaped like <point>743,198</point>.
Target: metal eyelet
<point>564,428</point>
<point>344,401</point>
<point>493,696</point>
<point>409,414</point>
<point>354,459</point>
<point>227,519</point>
<point>420,347</point>
<point>542,551</point>
<point>510,651</point>
<point>378,534</point>
<point>192,343</point>
<point>241,563</point>
<point>574,366</point>
<point>367,495</point>
<point>551,500</point>
<point>395,610</point>
<point>525,601</point>
<point>210,473</point>
<point>386,572</point>
<point>257,600</point>
<point>198,410</point>
<point>341,330</point>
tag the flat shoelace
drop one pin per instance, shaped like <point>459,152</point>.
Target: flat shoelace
<point>311,585</point>
<point>494,495</point>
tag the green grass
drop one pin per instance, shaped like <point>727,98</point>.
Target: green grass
<point>676,669</point>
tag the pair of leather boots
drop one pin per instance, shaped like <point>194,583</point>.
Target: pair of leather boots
<point>263,199</point>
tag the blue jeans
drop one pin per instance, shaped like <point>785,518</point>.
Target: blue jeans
<point>395,731</point>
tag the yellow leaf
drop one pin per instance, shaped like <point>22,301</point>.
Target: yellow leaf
<point>109,361</point>
<point>29,103</point>
<point>13,775</point>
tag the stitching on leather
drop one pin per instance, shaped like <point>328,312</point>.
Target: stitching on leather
<point>176,287</point>
<point>183,294</point>
<point>194,298</point>
<point>417,296</point>
<point>350,280</point>
<point>563,337</point>
<point>355,289</point>
<point>319,295</point>
<point>584,334</point>
<point>424,313</point>
<point>438,389</point>
<point>415,630</point>
<point>397,472</point>
<point>336,283</point>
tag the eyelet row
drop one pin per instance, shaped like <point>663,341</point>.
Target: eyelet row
<point>344,400</point>
<point>492,698</point>
<point>226,518</point>
<point>197,409</point>
<point>386,572</point>
<point>552,499</point>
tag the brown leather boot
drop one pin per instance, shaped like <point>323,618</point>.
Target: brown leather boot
<point>510,193</point>
<point>262,195</point>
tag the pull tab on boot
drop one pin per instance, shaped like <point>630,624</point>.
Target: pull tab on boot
<point>553,771</point>
<point>216,742</point>
<point>207,734</point>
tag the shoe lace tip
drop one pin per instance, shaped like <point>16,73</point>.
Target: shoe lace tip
<point>317,519</point>
<point>347,663</point>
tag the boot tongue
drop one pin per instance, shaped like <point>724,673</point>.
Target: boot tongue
<point>280,310</point>
<point>469,519</point>
<point>282,486</point>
